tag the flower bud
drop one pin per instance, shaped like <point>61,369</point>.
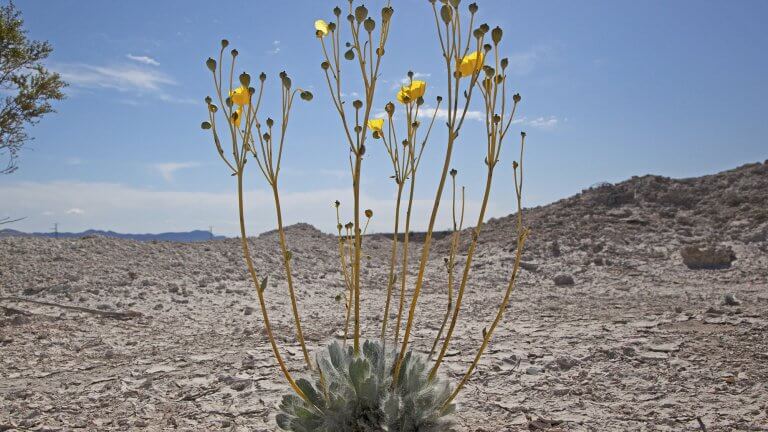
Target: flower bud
<point>337,11</point>
<point>262,77</point>
<point>489,71</point>
<point>205,125</point>
<point>453,172</point>
<point>487,47</point>
<point>213,108</point>
<point>234,52</point>
<point>349,225</point>
<point>306,95</point>
<point>337,203</point>
<point>245,79</point>
<point>362,150</point>
<point>349,54</point>
<point>267,136</point>
<point>357,104</point>
<point>455,3</point>
<point>325,65</point>
<point>386,13</point>
<point>369,213</point>
<point>473,7</point>
<point>504,63</point>
<point>420,101</point>
<point>361,13</point>
<point>369,25</point>
<point>496,118</point>
<point>514,165</point>
<point>351,18</point>
<point>224,43</point>
<point>522,134</point>
<point>211,63</point>
<point>208,100</point>
<point>516,98</point>
<point>439,99</point>
<point>380,51</point>
<point>270,122</point>
<point>358,129</point>
<point>446,13</point>
<point>484,28</point>
<point>286,82</point>
<point>376,135</point>
<point>331,26</point>
<point>389,108</point>
<point>496,35</point>
<point>477,33</point>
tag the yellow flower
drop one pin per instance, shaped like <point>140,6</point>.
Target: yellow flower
<point>409,93</point>
<point>240,96</point>
<point>471,63</point>
<point>322,28</point>
<point>375,125</point>
<point>236,119</point>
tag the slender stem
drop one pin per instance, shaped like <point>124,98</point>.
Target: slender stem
<point>257,284</point>
<point>358,247</point>
<point>288,275</point>
<point>406,242</point>
<point>465,275</point>
<point>392,277</point>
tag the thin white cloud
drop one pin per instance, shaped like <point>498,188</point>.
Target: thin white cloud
<point>426,112</point>
<point>275,48</point>
<point>75,211</point>
<point>168,169</point>
<point>143,59</point>
<point>405,80</point>
<point>126,78</point>
<point>543,122</point>
<point>126,208</point>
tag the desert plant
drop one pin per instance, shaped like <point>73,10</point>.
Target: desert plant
<point>369,386</point>
<point>353,392</point>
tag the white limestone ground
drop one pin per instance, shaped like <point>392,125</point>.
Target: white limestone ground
<point>638,342</point>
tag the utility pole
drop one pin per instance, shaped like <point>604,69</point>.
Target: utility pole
<point>210,231</point>
<point>56,230</point>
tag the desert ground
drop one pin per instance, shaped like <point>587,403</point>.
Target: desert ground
<point>110,335</point>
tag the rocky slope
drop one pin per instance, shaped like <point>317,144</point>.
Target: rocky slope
<point>608,328</point>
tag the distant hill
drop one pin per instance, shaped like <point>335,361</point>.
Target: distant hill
<point>189,236</point>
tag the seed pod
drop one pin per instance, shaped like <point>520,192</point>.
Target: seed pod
<point>496,118</point>
<point>205,125</point>
<point>234,52</point>
<point>516,98</point>
<point>351,18</point>
<point>504,63</point>
<point>496,35</point>
<point>331,26</point>
<point>262,77</point>
<point>245,79</point>
<point>369,213</point>
<point>361,13</point>
<point>224,43</point>
<point>286,82</point>
<point>325,65</point>
<point>484,28</point>
<point>213,108</point>
<point>211,63</point>
<point>369,25</point>
<point>514,165</point>
<point>208,100</point>
<point>357,104</point>
<point>386,13</point>
<point>453,172</point>
<point>473,7</point>
<point>270,122</point>
<point>389,108</point>
<point>306,95</point>
<point>337,11</point>
<point>446,13</point>
<point>487,47</point>
<point>349,54</point>
<point>380,51</point>
<point>477,33</point>
<point>362,150</point>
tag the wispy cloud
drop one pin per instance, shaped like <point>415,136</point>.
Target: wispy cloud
<point>75,211</point>
<point>131,209</point>
<point>275,48</point>
<point>544,122</point>
<point>426,112</point>
<point>130,79</point>
<point>405,80</point>
<point>168,169</point>
<point>143,59</point>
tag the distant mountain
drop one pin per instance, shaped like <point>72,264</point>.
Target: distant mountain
<point>190,236</point>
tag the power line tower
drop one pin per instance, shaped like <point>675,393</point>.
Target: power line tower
<point>56,230</point>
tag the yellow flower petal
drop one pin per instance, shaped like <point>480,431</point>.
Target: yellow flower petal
<point>240,96</point>
<point>375,125</point>
<point>470,64</point>
<point>409,93</point>
<point>322,28</point>
<point>235,120</point>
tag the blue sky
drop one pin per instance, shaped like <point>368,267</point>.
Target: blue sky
<point>610,89</point>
